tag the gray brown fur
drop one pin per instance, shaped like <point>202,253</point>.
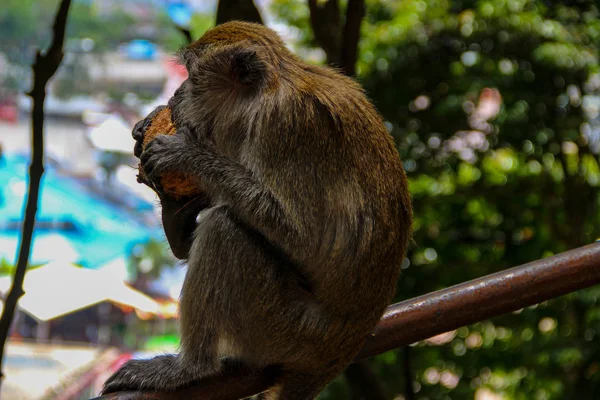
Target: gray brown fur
<point>296,254</point>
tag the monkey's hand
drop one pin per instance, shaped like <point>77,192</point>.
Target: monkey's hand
<point>172,153</point>
<point>162,373</point>
<point>192,153</point>
<point>139,130</point>
<point>138,133</point>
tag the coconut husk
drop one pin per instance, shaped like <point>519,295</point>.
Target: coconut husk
<point>175,184</point>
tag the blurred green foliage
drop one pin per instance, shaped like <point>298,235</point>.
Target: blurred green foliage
<point>148,260</point>
<point>494,106</point>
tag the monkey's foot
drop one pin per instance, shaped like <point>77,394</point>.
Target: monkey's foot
<point>162,373</point>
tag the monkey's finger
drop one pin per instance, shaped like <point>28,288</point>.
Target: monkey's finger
<point>154,179</point>
<point>149,151</point>
<point>141,178</point>
<point>138,130</point>
<point>157,187</point>
<point>138,148</point>
<point>146,155</point>
<point>153,172</point>
<point>159,147</point>
<point>148,168</point>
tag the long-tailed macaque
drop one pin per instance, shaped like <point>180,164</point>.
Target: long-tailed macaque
<point>294,249</point>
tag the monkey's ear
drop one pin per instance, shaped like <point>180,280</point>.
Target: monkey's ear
<point>247,67</point>
<point>186,56</point>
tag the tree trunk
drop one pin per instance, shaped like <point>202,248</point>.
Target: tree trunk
<point>339,43</point>
<point>355,13</point>
<point>237,10</point>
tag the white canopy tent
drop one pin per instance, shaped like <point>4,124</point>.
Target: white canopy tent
<point>45,247</point>
<point>60,288</point>
<point>112,135</point>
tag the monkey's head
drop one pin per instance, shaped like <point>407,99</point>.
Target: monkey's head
<point>230,63</point>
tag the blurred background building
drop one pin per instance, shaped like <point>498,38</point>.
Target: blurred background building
<point>102,284</point>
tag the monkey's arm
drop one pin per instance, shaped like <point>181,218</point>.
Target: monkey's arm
<point>179,221</point>
<point>178,215</point>
<point>249,198</point>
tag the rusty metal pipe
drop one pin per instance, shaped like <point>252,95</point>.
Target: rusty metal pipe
<point>429,315</point>
<point>492,295</point>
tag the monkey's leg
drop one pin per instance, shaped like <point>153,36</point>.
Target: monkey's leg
<point>248,197</point>
<point>198,357</point>
<point>179,221</point>
<point>159,373</point>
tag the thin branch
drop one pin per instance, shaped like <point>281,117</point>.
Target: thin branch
<point>355,12</point>
<point>420,318</point>
<point>44,67</point>
<point>237,10</point>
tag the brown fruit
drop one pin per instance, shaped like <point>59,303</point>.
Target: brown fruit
<point>174,184</point>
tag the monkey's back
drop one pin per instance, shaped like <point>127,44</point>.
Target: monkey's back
<point>326,156</point>
<point>311,137</point>
<point>329,156</point>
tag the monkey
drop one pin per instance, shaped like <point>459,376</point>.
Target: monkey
<point>294,249</point>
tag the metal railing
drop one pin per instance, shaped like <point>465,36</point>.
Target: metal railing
<point>423,317</point>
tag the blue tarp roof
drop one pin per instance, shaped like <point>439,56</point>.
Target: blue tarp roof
<point>91,229</point>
